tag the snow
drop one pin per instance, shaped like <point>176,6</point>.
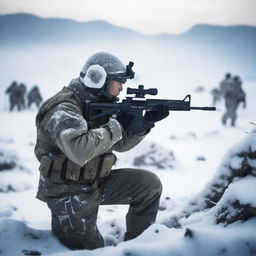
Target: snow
<point>192,147</point>
<point>237,190</point>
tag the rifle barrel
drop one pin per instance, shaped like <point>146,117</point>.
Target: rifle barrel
<point>204,108</point>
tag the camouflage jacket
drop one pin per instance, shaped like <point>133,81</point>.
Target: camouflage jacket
<point>73,152</point>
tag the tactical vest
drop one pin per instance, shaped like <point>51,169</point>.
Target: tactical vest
<point>53,163</point>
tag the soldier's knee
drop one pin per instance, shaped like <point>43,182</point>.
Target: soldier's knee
<point>153,182</point>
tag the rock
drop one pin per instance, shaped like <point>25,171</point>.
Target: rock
<point>235,211</point>
<point>31,253</point>
<point>200,158</point>
<point>199,89</point>
<point>7,189</point>
<point>189,233</point>
<point>156,156</point>
<point>7,161</point>
<point>172,223</point>
<point>237,172</point>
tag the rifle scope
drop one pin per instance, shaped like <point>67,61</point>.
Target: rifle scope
<point>140,92</point>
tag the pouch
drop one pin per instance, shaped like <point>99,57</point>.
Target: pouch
<point>72,171</point>
<point>107,163</point>
<point>45,165</point>
<point>57,168</point>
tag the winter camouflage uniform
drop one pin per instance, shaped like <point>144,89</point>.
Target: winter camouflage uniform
<point>23,89</point>
<point>233,94</point>
<point>15,96</point>
<point>216,96</point>
<point>75,161</point>
<point>34,96</point>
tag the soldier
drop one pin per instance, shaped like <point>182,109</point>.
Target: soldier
<point>226,84</point>
<point>76,157</point>
<point>34,96</point>
<point>216,96</point>
<point>241,95</point>
<point>14,95</point>
<point>23,89</point>
<point>233,95</point>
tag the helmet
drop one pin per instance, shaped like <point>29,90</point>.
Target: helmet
<point>236,78</point>
<point>228,75</point>
<point>101,68</point>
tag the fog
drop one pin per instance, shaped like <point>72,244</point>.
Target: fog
<point>175,69</point>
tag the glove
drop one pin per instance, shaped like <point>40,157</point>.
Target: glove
<point>160,112</point>
<point>125,119</point>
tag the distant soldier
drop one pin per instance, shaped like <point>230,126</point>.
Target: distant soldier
<point>216,96</point>
<point>23,89</point>
<point>226,85</point>
<point>14,95</point>
<point>34,96</point>
<point>233,94</point>
<point>241,95</point>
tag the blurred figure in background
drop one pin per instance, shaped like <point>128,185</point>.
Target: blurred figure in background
<point>241,95</point>
<point>14,95</point>
<point>216,96</point>
<point>23,89</point>
<point>233,94</point>
<point>226,84</point>
<point>34,96</point>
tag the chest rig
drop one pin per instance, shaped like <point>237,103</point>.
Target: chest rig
<point>53,163</point>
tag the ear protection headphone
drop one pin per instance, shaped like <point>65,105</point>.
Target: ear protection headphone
<point>96,77</point>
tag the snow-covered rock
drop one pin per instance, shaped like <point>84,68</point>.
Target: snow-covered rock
<point>7,160</point>
<point>16,238</point>
<point>148,155</point>
<point>231,193</point>
<point>13,176</point>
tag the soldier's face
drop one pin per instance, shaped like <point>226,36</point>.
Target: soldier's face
<point>114,88</point>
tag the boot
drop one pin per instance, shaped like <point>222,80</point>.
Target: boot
<point>136,224</point>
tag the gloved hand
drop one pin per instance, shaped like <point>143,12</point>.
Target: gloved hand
<point>125,119</point>
<point>160,112</point>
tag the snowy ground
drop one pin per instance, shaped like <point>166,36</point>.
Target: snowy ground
<point>190,147</point>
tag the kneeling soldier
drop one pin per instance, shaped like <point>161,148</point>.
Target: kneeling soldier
<point>76,157</point>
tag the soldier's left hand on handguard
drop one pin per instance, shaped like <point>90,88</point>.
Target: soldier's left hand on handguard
<point>159,113</point>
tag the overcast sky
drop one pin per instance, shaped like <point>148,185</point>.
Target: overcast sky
<point>146,16</point>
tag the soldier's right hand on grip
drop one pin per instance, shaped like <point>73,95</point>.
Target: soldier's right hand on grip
<point>160,112</point>
<point>115,129</point>
<point>125,119</point>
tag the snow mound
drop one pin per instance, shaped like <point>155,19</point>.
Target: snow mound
<point>148,154</point>
<point>231,193</point>
<point>13,176</point>
<point>7,160</point>
<point>238,202</point>
<point>7,210</point>
<point>15,181</point>
<point>28,241</point>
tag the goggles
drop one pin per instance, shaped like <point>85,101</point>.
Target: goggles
<point>123,76</point>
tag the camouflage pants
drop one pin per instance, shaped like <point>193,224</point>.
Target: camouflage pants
<point>231,108</point>
<point>74,216</point>
<point>36,101</point>
<point>14,101</point>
